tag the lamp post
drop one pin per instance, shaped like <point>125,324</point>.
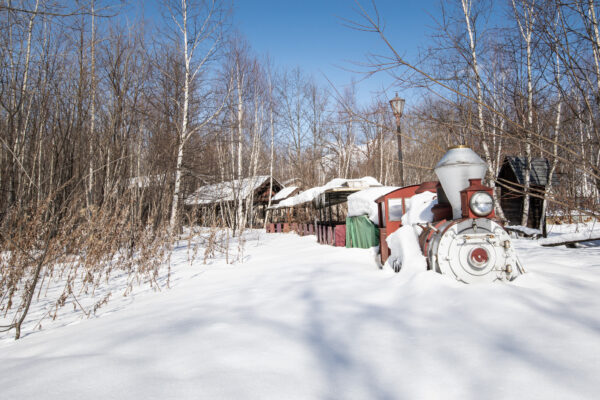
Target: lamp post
<point>397,105</point>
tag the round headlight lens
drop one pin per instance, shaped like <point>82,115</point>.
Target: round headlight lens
<point>481,204</point>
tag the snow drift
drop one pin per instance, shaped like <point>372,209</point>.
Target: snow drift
<point>298,320</point>
<point>404,243</point>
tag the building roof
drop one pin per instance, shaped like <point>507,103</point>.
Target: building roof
<point>336,186</point>
<point>284,193</point>
<point>227,191</point>
<point>539,170</point>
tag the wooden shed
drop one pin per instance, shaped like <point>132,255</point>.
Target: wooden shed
<point>512,178</point>
<point>214,199</point>
<point>321,210</point>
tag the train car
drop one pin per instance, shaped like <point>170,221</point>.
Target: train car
<point>464,239</point>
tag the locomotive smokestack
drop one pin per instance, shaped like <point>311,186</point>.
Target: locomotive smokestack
<point>454,170</point>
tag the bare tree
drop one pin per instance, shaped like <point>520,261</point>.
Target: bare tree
<point>525,15</point>
<point>197,33</point>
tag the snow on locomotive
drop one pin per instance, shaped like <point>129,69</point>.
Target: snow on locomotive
<point>458,233</point>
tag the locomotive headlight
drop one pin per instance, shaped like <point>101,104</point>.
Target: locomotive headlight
<point>481,204</point>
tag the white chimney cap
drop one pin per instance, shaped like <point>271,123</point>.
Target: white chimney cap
<point>454,170</point>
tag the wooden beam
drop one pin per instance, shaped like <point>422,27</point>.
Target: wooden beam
<point>571,243</point>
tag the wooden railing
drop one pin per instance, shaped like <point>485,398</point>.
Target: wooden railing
<point>333,235</point>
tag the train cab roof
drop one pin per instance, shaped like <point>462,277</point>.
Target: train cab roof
<point>403,192</point>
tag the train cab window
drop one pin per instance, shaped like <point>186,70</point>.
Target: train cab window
<point>395,209</point>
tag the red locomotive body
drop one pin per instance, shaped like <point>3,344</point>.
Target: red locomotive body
<point>463,239</point>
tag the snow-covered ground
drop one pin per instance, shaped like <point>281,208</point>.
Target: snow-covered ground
<point>571,232</point>
<point>299,320</point>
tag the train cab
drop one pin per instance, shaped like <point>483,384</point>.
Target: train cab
<point>392,207</point>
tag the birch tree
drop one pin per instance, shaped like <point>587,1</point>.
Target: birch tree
<point>525,16</point>
<point>271,111</point>
<point>90,190</point>
<point>316,116</point>
<point>197,35</point>
<point>292,94</point>
<point>470,25</point>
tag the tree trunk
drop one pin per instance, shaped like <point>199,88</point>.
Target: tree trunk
<point>183,135</point>
<point>90,188</point>
<point>240,142</point>
<point>466,6</point>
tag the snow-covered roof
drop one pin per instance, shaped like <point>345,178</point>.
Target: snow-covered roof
<point>284,193</point>
<point>226,191</point>
<point>313,193</point>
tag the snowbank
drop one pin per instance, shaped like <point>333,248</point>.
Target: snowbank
<point>298,320</point>
<point>363,202</point>
<point>570,237</point>
<point>404,243</point>
<point>418,208</point>
<point>526,231</point>
<point>573,228</point>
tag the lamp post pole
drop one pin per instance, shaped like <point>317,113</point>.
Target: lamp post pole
<point>397,105</point>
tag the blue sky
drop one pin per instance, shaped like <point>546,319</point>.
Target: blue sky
<point>311,35</point>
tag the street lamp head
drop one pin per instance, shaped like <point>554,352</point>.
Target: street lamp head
<point>397,105</point>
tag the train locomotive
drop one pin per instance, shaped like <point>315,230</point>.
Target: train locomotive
<point>465,239</point>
